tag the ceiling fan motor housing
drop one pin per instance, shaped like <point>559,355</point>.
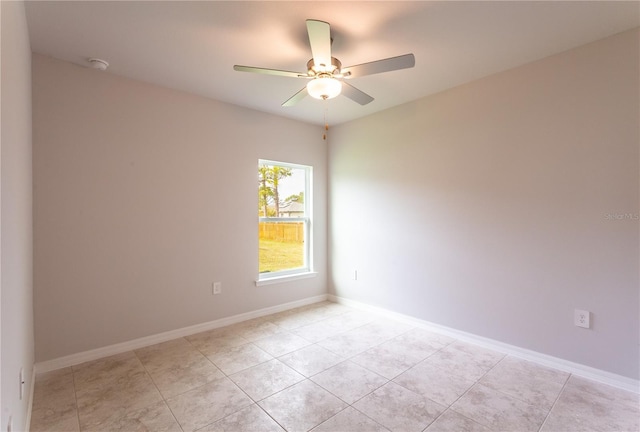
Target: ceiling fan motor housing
<point>333,68</point>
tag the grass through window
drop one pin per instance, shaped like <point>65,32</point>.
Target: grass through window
<point>276,255</point>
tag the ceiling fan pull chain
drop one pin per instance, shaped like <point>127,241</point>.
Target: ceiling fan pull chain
<point>326,123</point>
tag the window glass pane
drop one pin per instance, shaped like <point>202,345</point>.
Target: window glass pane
<point>283,226</point>
<point>281,191</point>
<point>281,246</point>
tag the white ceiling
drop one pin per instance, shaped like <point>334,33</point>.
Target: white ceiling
<point>192,46</point>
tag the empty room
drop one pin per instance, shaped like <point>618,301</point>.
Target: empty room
<point>320,216</point>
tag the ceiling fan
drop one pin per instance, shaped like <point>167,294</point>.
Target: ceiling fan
<point>325,73</point>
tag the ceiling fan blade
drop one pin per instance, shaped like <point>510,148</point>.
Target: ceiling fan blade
<point>270,71</point>
<point>320,41</point>
<point>355,95</point>
<point>295,98</point>
<point>379,66</point>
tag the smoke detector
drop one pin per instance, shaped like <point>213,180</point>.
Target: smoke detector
<point>99,64</point>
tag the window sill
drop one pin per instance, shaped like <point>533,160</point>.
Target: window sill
<point>287,278</point>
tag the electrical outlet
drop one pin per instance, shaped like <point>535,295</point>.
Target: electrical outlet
<point>581,318</point>
<point>217,287</point>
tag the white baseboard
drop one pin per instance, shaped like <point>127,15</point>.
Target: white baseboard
<point>142,342</point>
<point>577,369</point>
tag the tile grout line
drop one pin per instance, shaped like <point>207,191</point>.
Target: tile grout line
<point>313,382</point>
<point>271,417</point>
<point>451,404</point>
<point>477,382</point>
<point>555,402</point>
<point>548,412</point>
<point>164,400</point>
<point>253,402</point>
<point>75,396</point>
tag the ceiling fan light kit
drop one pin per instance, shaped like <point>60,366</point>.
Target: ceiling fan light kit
<point>325,72</point>
<point>324,87</point>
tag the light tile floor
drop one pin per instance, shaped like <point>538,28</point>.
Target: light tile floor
<point>325,368</point>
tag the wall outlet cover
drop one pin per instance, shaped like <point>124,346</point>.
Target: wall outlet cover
<point>582,318</point>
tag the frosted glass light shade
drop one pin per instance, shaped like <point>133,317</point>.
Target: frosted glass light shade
<point>324,87</point>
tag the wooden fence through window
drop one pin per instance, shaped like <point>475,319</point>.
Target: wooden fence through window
<point>282,231</point>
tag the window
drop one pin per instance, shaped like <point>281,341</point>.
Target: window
<point>284,214</point>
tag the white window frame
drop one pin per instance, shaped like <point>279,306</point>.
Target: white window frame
<point>307,269</point>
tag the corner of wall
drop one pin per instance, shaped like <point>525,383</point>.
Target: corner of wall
<point>16,219</point>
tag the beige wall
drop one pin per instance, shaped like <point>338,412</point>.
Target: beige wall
<point>16,230</point>
<point>485,208</point>
<point>144,196</point>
